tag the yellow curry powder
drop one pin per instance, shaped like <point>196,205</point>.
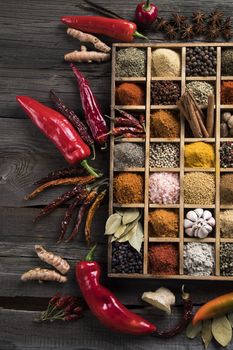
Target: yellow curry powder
<point>199,155</point>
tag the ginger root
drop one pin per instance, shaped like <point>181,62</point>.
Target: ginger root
<point>88,38</point>
<point>86,56</point>
<point>50,258</point>
<point>43,275</point>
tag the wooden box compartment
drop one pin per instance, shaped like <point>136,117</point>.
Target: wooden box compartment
<point>182,239</point>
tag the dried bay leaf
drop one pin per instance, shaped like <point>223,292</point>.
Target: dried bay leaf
<point>193,331</point>
<point>112,224</point>
<point>221,330</point>
<point>127,237</point>
<point>130,215</point>
<point>137,238</point>
<point>206,332</point>
<point>120,211</point>
<point>120,231</point>
<point>230,318</point>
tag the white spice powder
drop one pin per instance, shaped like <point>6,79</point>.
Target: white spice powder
<point>199,259</point>
<point>165,63</point>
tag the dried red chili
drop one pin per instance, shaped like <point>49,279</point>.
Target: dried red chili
<point>61,173</point>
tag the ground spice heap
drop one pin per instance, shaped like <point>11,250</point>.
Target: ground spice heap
<point>164,92</point>
<point>164,155</point>
<point>199,259</point>
<point>226,155</point>
<point>226,189</point>
<point>165,63</point>
<point>163,259</point>
<point>129,155</point>
<point>128,188</point>
<point>201,90</point>
<point>199,188</point>
<point>226,259</point>
<point>227,62</point>
<point>227,92</point>
<point>129,94</point>
<point>163,223</point>
<point>126,259</point>
<point>226,223</point>
<point>164,188</point>
<point>164,124</point>
<point>130,62</point>
<point>201,61</point>
<point>199,155</point>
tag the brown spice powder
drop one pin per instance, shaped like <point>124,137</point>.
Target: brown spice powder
<point>226,189</point>
<point>163,223</point>
<point>227,92</point>
<point>128,188</point>
<point>164,124</point>
<point>129,94</point>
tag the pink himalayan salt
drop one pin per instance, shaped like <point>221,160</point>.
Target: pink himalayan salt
<point>164,188</point>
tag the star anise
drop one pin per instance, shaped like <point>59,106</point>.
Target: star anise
<point>199,28</point>
<point>199,16</point>
<point>187,31</point>
<point>161,24</point>
<point>171,32</point>
<point>178,19</point>
<point>213,32</point>
<point>227,23</point>
<point>227,34</point>
<point>216,17</point>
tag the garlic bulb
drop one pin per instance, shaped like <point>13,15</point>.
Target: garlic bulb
<point>199,223</point>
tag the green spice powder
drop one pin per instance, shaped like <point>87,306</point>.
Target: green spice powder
<point>130,62</point>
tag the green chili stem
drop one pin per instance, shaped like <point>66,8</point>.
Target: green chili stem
<point>90,255</point>
<point>147,6</point>
<point>89,168</point>
<point>139,35</point>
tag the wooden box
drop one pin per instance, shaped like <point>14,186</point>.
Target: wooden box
<point>148,108</point>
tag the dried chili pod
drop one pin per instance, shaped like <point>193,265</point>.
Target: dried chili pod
<point>126,129</point>
<point>91,214</point>
<point>83,180</point>
<point>61,173</point>
<point>78,190</point>
<point>134,121</point>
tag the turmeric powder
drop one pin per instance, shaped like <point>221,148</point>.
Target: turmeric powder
<point>50,258</point>
<point>43,275</point>
<point>199,155</point>
<point>128,188</point>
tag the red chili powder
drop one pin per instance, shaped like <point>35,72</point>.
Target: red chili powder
<point>163,259</point>
<point>227,92</point>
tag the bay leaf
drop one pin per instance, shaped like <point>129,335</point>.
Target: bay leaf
<point>130,215</point>
<point>230,318</point>
<point>120,231</point>
<point>112,224</point>
<point>120,211</point>
<point>131,225</point>
<point>193,331</point>
<point>127,237</point>
<point>206,332</point>
<point>137,238</point>
<point>113,239</point>
<point>221,330</point>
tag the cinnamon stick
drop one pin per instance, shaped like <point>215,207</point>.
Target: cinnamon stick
<point>183,106</point>
<point>196,115</point>
<point>210,116</point>
<point>196,104</point>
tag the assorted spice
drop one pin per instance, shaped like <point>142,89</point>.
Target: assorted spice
<point>199,259</point>
<point>226,154</point>
<point>227,62</point>
<point>165,92</point>
<point>226,254</point>
<point>130,94</point>
<point>164,124</point>
<point>226,223</point>
<point>200,90</point>
<point>227,92</point>
<point>166,63</point>
<point>163,223</point>
<point>226,188</point>
<point>199,154</point>
<point>130,62</point>
<point>164,155</point>
<point>201,61</point>
<point>128,188</point>
<point>164,188</point>
<point>129,155</point>
<point>163,259</point>
<point>199,188</point>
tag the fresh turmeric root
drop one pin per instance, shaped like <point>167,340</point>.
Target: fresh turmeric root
<point>50,258</point>
<point>43,275</point>
<point>86,56</point>
<point>88,38</point>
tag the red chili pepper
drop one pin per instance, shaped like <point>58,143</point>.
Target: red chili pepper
<point>134,136</point>
<point>119,29</point>
<point>93,114</point>
<point>104,305</point>
<point>146,13</point>
<point>126,129</point>
<point>59,130</point>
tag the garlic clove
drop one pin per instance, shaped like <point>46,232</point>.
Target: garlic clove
<point>199,212</point>
<point>196,232</point>
<point>189,231</point>
<point>188,223</point>
<point>230,122</point>
<point>207,215</point>
<point>226,116</point>
<point>191,215</point>
<point>211,221</point>
<point>203,232</point>
<point>208,227</point>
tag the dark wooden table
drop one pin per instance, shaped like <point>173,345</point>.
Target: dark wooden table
<point>33,43</point>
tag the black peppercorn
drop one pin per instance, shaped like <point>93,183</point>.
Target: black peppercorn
<point>201,61</point>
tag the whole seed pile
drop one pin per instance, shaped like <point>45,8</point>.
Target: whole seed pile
<point>227,62</point>
<point>226,223</point>
<point>126,259</point>
<point>130,62</point>
<point>201,90</point>
<point>201,61</point>
<point>226,259</point>
<point>199,259</point>
<point>164,155</point>
<point>226,155</point>
<point>165,63</point>
<point>129,155</point>
<point>199,188</point>
<point>165,92</point>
